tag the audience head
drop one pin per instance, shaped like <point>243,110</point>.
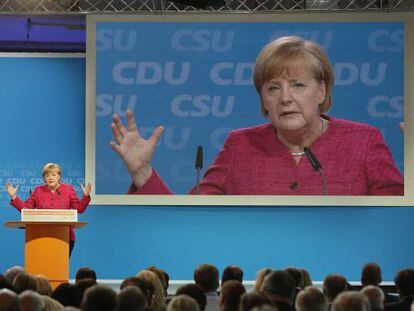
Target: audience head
<point>51,304</point>
<point>4,283</point>
<point>230,294</point>
<point>31,301</point>
<point>375,296</point>
<point>333,285</point>
<point>311,299</point>
<point>193,291</point>
<point>295,274</point>
<point>146,287</point>
<point>83,285</point>
<point>248,301</point>
<point>67,294</point>
<point>85,273</point>
<point>9,300</point>
<point>131,298</point>
<point>11,273</point>
<point>70,308</point>
<point>371,274</point>
<point>306,279</point>
<point>43,286</point>
<point>161,276</point>
<point>158,301</point>
<point>279,285</point>
<point>99,298</point>
<point>404,281</point>
<point>232,273</point>
<point>351,301</point>
<point>207,277</point>
<point>183,303</point>
<point>24,281</point>
<point>260,276</point>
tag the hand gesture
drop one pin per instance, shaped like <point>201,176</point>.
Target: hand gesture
<point>12,191</point>
<point>135,151</point>
<point>86,190</point>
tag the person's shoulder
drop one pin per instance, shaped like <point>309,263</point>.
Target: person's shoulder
<point>66,186</point>
<point>351,126</point>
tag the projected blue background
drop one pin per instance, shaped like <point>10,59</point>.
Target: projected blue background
<point>195,79</point>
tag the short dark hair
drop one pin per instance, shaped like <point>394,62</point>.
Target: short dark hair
<point>404,280</point>
<point>254,299</point>
<point>279,283</point>
<point>67,294</point>
<point>296,274</point>
<point>131,298</point>
<point>194,291</point>
<point>232,273</point>
<point>207,277</point>
<point>333,285</point>
<point>146,287</point>
<point>85,273</point>
<point>99,298</point>
<point>83,285</point>
<point>231,292</point>
<point>371,274</point>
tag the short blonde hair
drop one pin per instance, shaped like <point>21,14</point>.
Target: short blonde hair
<point>293,55</point>
<point>49,167</point>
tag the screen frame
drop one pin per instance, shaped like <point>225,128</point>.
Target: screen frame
<point>407,18</point>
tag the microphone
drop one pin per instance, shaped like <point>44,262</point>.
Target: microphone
<point>57,191</point>
<point>198,167</point>
<point>316,166</point>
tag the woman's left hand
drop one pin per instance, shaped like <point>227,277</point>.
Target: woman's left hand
<point>86,189</point>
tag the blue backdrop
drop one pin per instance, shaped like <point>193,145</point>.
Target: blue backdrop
<point>43,120</point>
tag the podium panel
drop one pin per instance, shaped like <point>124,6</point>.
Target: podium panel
<point>47,248</point>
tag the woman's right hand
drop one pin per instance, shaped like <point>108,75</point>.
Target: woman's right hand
<point>135,151</point>
<point>12,191</point>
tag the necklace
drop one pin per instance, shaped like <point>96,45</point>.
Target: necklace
<point>324,127</point>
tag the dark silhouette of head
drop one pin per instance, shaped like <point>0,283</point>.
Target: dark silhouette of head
<point>333,285</point>
<point>371,274</point>
<point>195,292</point>
<point>207,277</point>
<point>232,273</point>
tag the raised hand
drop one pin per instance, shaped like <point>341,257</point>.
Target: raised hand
<point>135,151</point>
<point>12,191</point>
<point>86,189</point>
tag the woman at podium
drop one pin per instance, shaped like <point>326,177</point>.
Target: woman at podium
<point>53,195</point>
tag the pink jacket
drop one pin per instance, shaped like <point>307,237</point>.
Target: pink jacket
<point>354,158</point>
<point>64,198</point>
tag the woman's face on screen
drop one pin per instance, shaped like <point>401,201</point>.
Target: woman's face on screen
<point>292,101</point>
<point>52,179</point>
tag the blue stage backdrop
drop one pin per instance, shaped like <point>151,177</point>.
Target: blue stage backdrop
<point>196,80</point>
<point>43,113</point>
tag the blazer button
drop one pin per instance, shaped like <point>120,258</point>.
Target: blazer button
<point>294,185</point>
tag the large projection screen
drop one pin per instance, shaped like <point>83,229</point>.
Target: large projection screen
<point>192,74</point>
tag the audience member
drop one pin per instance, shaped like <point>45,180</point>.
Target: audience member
<point>183,303</point>
<point>4,283</point>
<point>158,302</point>
<point>351,301</point>
<point>99,298</point>
<point>375,296</point>
<point>404,281</point>
<point>206,276</point>
<point>260,276</point>
<point>333,285</point>
<point>67,294</point>
<point>248,301</point>
<point>306,279</point>
<point>230,294</point>
<point>279,286</point>
<point>29,300</point>
<point>85,273</point>
<point>232,273</point>
<point>11,273</point>
<point>146,287</point>
<point>83,285</point>
<point>9,300</point>
<point>193,291</point>
<point>24,281</point>
<point>371,275</point>
<point>43,286</point>
<point>161,276</point>
<point>311,299</point>
<point>51,304</point>
<point>131,298</point>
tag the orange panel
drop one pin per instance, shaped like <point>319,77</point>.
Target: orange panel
<point>47,251</point>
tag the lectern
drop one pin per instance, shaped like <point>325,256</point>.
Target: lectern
<point>47,248</point>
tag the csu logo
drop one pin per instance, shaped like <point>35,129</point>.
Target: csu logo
<point>120,40</point>
<point>386,41</point>
<point>382,106</point>
<point>187,40</point>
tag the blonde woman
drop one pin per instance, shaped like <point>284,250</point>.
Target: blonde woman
<point>158,302</point>
<point>52,195</point>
